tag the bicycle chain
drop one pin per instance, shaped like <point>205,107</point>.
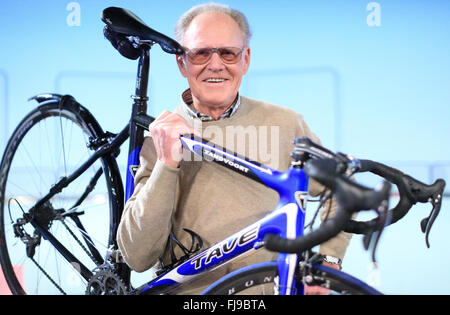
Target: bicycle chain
<point>48,276</point>
<point>79,243</point>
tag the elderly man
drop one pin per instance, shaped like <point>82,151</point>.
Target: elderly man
<point>173,193</point>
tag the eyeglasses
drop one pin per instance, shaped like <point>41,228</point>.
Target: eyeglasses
<point>200,56</point>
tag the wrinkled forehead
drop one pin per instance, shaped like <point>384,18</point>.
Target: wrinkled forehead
<point>213,30</point>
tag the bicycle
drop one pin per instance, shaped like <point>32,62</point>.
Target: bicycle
<point>57,219</point>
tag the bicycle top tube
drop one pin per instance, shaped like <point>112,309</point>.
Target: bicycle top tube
<point>291,185</point>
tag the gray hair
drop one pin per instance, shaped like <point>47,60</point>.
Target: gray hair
<point>186,19</point>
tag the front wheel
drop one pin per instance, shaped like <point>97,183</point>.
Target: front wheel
<point>262,279</point>
<point>49,144</point>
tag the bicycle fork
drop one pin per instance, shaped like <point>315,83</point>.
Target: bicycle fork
<point>287,263</point>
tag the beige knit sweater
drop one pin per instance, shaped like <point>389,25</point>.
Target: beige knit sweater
<point>208,198</point>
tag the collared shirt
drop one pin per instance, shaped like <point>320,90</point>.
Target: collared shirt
<point>187,106</point>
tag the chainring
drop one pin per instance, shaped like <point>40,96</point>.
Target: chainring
<point>106,282</point>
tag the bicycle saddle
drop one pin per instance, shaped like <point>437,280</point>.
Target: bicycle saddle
<point>127,23</point>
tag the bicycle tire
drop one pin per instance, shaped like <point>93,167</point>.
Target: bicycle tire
<point>36,157</point>
<point>261,278</point>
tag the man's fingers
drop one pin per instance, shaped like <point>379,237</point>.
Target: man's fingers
<point>166,131</point>
<point>158,120</point>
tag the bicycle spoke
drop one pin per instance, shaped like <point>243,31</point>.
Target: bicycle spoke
<point>36,170</point>
<point>63,147</point>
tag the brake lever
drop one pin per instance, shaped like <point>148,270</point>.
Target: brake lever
<point>427,223</point>
<point>372,237</point>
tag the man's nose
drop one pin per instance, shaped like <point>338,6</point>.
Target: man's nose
<point>216,63</point>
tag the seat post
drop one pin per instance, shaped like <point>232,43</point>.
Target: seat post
<point>139,107</point>
<point>140,97</point>
<point>142,75</point>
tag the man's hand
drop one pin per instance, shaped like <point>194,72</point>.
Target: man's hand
<point>318,290</point>
<point>166,131</point>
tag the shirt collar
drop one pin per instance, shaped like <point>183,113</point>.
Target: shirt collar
<point>187,106</point>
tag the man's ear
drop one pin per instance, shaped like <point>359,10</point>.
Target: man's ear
<point>181,65</point>
<point>246,59</point>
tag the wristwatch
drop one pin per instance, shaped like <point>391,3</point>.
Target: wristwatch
<point>332,260</point>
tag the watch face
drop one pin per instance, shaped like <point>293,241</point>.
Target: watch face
<point>332,260</point>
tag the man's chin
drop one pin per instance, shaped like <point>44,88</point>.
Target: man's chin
<point>217,101</point>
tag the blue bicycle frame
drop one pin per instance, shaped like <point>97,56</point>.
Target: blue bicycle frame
<point>287,220</point>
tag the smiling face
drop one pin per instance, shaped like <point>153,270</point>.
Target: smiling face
<point>215,84</point>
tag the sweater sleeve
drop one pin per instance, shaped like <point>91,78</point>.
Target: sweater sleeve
<point>338,245</point>
<point>146,221</point>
